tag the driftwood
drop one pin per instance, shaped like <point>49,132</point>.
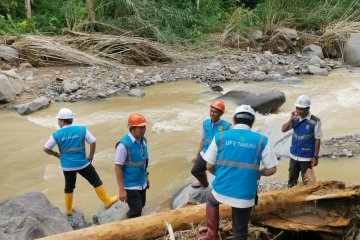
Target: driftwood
<point>46,51</point>
<point>326,207</point>
<point>128,50</point>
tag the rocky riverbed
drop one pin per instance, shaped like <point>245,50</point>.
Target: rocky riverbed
<point>74,83</point>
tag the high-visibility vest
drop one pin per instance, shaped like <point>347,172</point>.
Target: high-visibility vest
<point>134,170</point>
<point>210,130</point>
<point>303,141</point>
<point>71,144</point>
<point>238,161</point>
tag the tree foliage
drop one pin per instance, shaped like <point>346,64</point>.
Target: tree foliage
<point>170,20</point>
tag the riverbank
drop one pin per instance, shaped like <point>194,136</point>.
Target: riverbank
<point>72,84</point>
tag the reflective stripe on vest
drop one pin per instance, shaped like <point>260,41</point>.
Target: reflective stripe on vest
<point>77,149</point>
<point>71,144</point>
<point>210,131</point>
<point>134,170</point>
<point>230,163</point>
<point>129,161</point>
<point>303,137</point>
<point>238,162</point>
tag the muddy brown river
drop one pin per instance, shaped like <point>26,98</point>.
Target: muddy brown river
<point>175,112</point>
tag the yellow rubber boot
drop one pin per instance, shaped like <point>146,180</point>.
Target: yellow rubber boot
<point>104,196</point>
<point>69,203</point>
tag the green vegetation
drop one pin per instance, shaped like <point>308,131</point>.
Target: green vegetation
<point>173,20</point>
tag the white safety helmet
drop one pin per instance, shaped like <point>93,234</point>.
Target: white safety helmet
<point>65,113</point>
<point>302,101</point>
<point>245,109</point>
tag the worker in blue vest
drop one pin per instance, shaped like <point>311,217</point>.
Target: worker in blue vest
<point>71,140</point>
<point>210,127</point>
<point>234,157</point>
<point>305,142</point>
<point>131,163</point>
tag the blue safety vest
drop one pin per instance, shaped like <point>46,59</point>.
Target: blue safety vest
<point>71,144</point>
<point>238,161</point>
<point>134,170</point>
<point>210,131</point>
<point>303,141</point>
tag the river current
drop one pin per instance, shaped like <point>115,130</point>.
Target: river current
<point>175,112</point>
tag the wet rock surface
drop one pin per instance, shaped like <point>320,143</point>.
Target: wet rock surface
<point>31,216</point>
<point>345,146</point>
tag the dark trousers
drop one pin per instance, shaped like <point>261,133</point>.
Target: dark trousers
<point>240,218</point>
<point>89,173</point>
<point>295,167</point>
<point>136,200</point>
<point>199,167</point>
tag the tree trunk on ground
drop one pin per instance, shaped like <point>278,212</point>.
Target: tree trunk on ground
<point>326,207</point>
<point>198,5</point>
<point>28,9</point>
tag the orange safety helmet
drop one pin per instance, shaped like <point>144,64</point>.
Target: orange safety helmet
<point>218,105</point>
<point>136,120</point>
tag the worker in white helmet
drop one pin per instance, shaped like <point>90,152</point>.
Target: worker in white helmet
<point>234,157</point>
<point>71,140</point>
<point>305,143</point>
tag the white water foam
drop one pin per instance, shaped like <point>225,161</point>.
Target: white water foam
<point>87,120</point>
<point>52,171</point>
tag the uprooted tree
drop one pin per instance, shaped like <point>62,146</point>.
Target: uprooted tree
<point>326,207</point>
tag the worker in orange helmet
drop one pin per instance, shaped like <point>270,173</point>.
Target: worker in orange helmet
<point>210,127</point>
<point>131,163</point>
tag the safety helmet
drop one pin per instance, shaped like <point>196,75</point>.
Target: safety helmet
<point>136,120</point>
<point>245,109</point>
<point>302,101</point>
<point>65,113</point>
<point>218,105</point>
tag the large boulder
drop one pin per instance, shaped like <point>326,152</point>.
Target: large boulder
<point>352,50</point>
<point>261,100</point>
<point>191,195</point>
<point>70,86</point>
<point>313,50</point>
<point>7,93</point>
<point>11,85</point>
<point>15,80</point>
<point>116,212</point>
<point>9,54</point>
<point>36,105</point>
<point>31,216</point>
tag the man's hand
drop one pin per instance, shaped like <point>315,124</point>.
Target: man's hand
<point>147,182</point>
<point>314,162</point>
<point>89,158</point>
<point>293,115</point>
<point>123,195</point>
<point>194,160</point>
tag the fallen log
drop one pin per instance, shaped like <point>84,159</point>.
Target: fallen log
<point>326,207</point>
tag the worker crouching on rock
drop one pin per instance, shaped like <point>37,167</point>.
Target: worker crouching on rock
<point>131,162</point>
<point>71,140</point>
<point>234,157</point>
